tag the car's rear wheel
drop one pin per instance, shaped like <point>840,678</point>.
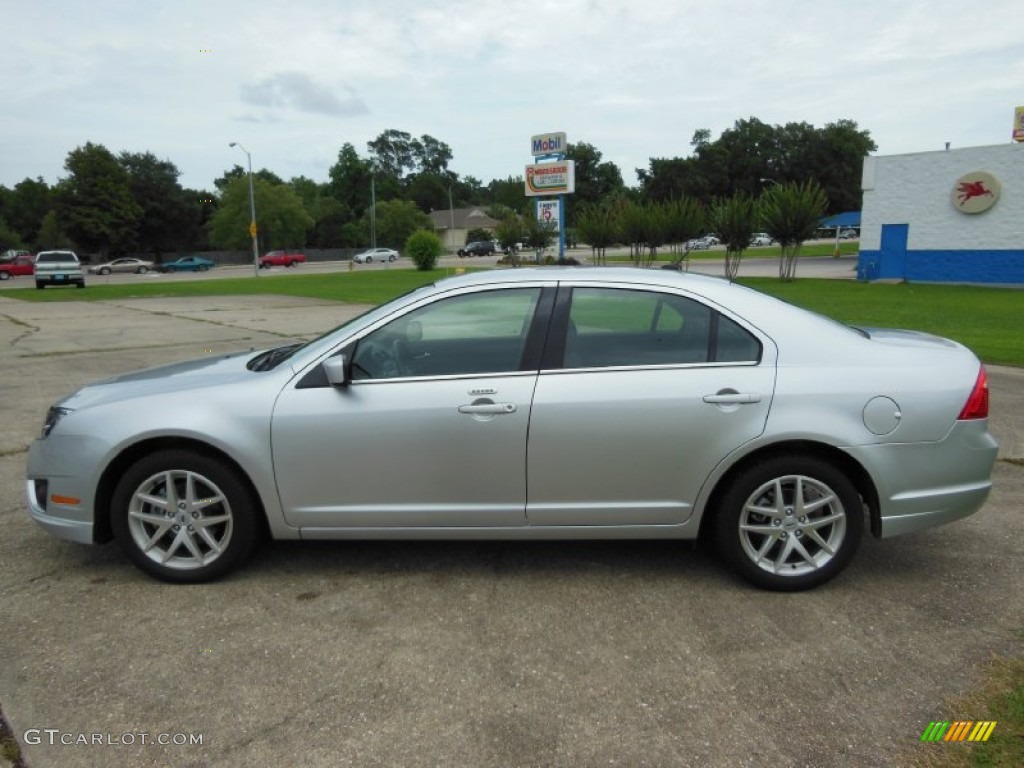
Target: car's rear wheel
<point>39,285</point>
<point>184,517</point>
<point>5,275</point>
<point>789,523</point>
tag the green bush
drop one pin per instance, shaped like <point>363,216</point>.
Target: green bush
<point>424,248</point>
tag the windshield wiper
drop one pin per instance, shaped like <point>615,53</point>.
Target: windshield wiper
<point>272,358</point>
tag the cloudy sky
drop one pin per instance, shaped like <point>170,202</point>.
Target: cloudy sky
<point>292,81</point>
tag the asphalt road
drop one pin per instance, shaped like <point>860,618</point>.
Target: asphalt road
<point>468,654</point>
<point>751,266</point>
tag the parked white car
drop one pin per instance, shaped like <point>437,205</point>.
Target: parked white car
<point>375,254</point>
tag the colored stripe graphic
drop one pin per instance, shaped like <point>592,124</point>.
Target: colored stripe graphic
<point>958,730</point>
<point>982,731</point>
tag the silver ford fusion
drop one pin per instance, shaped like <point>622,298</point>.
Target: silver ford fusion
<point>545,404</point>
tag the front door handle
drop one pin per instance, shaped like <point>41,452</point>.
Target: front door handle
<point>731,398</point>
<point>489,408</point>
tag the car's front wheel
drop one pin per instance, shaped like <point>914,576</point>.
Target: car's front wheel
<point>789,523</point>
<point>105,271</point>
<point>5,275</point>
<point>391,257</point>
<point>184,517</point>
<point>142,270</point>
<point>203,267</point>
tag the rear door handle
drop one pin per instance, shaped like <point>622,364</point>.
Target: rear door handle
<point>489,408</point>
<point>732,398</point>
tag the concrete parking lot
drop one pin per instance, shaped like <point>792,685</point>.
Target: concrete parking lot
<point>468,654</point>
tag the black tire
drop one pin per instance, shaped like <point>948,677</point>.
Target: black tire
<point>369,260</point>
<point>792,551</point>
<point>80,285</point>
<point>39,285</point>
<point>170,270</point>
<point>391,257</point>
<point>142,270</point>
<point>203,267</point>
<point>5,275</point>
<point>232,521</point>
<point>105,271</point>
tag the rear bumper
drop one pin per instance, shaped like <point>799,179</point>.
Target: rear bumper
<point>922,485</point>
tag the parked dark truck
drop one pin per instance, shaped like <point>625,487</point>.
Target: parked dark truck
<point>19,265</point>
<point>58,268</point>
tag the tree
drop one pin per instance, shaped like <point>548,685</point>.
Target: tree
<point>733,221</point>
<point>790,214</point>
<point>238,172</point>
<point>397,220</point>
<point>539,235</point>
<point>167,220</point>
<point>350,180</point>
<point>51,236</point>
<point>26,205</point>
<point>393,153</point>
<point>509,234</point>
<point>477,234</point>
<point>8,237</point>
<point>95,203</point>
<point>510,192</point>
<point>686,219</point>
<point>595,180</point>
<point>429,191</point>
<point>751,151</point>
<point>282,221</point>
<point>424,248</point>
<point>430,155</point>
<point>598,227</point>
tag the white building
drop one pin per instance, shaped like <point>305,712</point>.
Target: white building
<point>946,216</point>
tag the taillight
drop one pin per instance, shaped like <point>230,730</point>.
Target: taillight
<point>976,406</point>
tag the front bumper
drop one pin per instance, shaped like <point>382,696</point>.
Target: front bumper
<point>60,484</point>
<point>62,527</point>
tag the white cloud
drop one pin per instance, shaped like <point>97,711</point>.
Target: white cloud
<point>633,77</point>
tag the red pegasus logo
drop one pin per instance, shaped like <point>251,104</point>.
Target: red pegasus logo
<point>970,189</point>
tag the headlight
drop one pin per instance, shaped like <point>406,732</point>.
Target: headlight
<point>52,417</point>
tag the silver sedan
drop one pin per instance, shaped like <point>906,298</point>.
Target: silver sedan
<point>533,404</point>
<point>126,264</point>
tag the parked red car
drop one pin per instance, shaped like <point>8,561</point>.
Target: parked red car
<point>19,265</point>
<point>282,259</point>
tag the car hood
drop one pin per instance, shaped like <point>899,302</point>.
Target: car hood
<point>178,377</point>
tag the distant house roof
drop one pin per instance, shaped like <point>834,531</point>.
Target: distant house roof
<point>464,218</point>
<point>846,219</point>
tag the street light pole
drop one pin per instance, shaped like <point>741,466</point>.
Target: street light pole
<point>451,218</point>
<point>252,212</point>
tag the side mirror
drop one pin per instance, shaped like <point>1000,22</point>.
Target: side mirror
<point>336,370</point>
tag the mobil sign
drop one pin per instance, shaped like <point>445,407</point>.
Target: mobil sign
<point>548,144</point>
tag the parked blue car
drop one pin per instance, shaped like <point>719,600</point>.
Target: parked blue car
<point>188,264</point>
